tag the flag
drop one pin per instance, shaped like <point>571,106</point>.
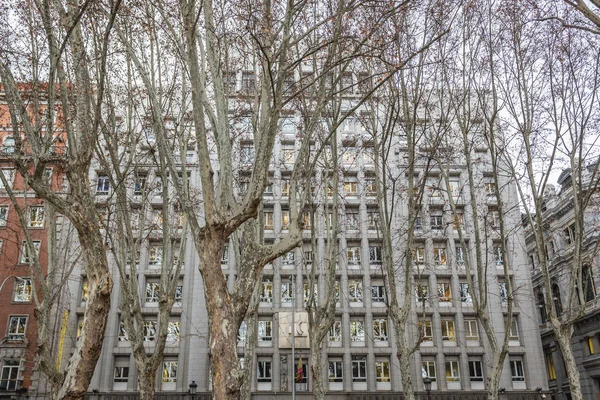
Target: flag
<point>299,371</point>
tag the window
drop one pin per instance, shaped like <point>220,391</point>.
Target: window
<point>513,333</point>
<point>335,371</point>
<point>307,293</point>
<point>349,156</point>
<point>23,288</point>
<point>452,371</point>
<point>103,185</point>
<point>287,292</point>
<point>448,332</point>
<point>10,375</point>
<point>265,333</point>
<point>3,215</point>
<point>457,221</point>
<point>444,293</point>
<point>418,223</point>
<point>288,156</point>
<point>335,332</point>
<point>428,370</point>
<point>426,330</point>
<point>557,301</point>
<point>375,256</point>
<point>246,154</point>
<point>378,294</point>
<point>380,332</point>
<point>263,373</point>
<point>455,189</point>
<point>460,255</point>
<point>382,371</point>
<point>475,371</point>
<point>178,295</point>
<point>248,82</point>
<point>36,217</point>
<point>351,188</point>
<point>589,344</point>
<point>288,258</point>
<point>419,255</point>
<point>359,369</point>
<point>121,375</point>
<point>471,331</point>
<point>355,291</point>
<point>285,220</point>
<point>372,219</point>
<point>139,185</point>
<point>268,216</point>
<point>149,331</point>
<point>266,291</point>
<point>352,220</point>
<point>541,303</point>
<point>122,333</point>
<point>155,255</point>
<point>16,328</point>
<point>439,256</point>
<point>490,189</point>
<point>587,278</point>
<point>354,255</point>
<point>516,370</point>
<point>25,259</point>
<point>169,374</point>
<point>152,292</point>
<point>422,294</point>
<point>503,286</point>
<point>229,82</point>
<point>174,331</point>
<point>436,222</point>
<point>493,218</point>
<point>8,145</point>
<point>550,365</point>
<point>371,187</point>
<point>465,293</point>
<point>498,254</point>
<point>9,175</point>
<point>357,331</point>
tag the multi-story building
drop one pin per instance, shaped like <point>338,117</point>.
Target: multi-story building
<point>18,329</point>
<point>360,349</point>
<point>558,217</point>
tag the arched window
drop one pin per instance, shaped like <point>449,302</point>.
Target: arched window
<point>589,290</point>
<point>542,307</point>
<point>556,298</point>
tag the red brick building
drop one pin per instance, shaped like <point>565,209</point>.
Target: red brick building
<point>18,330</point>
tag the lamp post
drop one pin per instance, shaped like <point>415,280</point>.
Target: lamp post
<point>427,384</point>
<point>193,388</point>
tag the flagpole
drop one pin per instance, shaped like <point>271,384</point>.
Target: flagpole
<point>293,340</point>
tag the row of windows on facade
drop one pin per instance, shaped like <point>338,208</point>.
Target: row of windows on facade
<point>358,335</point>
<point>589,294</point>
<point>34,216</point>
<point>555,243</point>
<point>589,344</point>
<point>9,176</point>
<point>336,375</point>
<point>24,255</point>
<point>355,295</point>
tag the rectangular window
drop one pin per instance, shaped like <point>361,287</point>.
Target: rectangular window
<point>335,332</point>
<point>23,288</point>
<point>285,187</point>
<point>335,371</point>
<point>268,216</point>
<point>9,175</point>
<point>460,255</point>
<point>465,293</point>
<point>550,366</point>
<point>448,332</point>
<point>288,258</point>
<point>155,255</point>
<point>457,221</point>
<point>439,256</point>
<point>359,369</point>
<point>17,326</point>
<point>372,220</point>
<point>353,255</point>
<point>149,331</point>
<point>375,256</point>
<point>503,292</point>
<point>122,333</point>
<point>357,331</point>
<point>382,371</point>
<point>265,332</point>
<point>263,373</point>
<point>3,215</point>
<point>36,217</point>
<point>288,156</point>
<point>422,294</point>
<point>25,259</point>
<point>475,371</point>
<point>178,295</point>
<point>152,292</point>
<point>355,291</point>
<point>174,331</point>
<point>351,188</point>
<point>378,294</point>
<point>471,331</point>
<point>102,185</point>
<point>436,222</point>
<point>10,375</point>
<point>516,371</point>
<point>513,333</point>
<point>452,371</point>
<point>248,82</point>
<point>498,255</point>
<point>139,185</point>
<point>370,187</point>
<point>285,220</point>
<point>266,291</point>
<point>352,220</point>
<point>428,370</point>
<point>426,330</point>
<point>444,292</point>
<point>380,332</point>
<point>419,255</point>
<point>121,375</point>
<point>247,154</point>
<point>287,292</point>
<point>169,374</point>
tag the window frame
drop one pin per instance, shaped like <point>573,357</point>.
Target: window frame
<point>20,333</point>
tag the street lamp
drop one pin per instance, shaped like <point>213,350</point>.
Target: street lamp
<point>193,388</point>
<point>427,384</point>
